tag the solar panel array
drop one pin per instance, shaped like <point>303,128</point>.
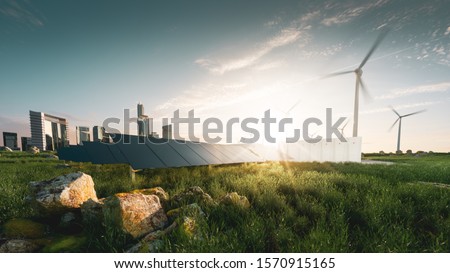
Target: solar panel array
<point>144,153</point>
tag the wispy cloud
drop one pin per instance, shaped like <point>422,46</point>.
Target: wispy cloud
<point>429,88</point>
<point>284,37</point>
<point>21,12</point>
<point>347,15</point>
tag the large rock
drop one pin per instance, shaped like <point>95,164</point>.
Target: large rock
<point>134,213</point>
<point>18,246</point>
<point>62,193</point>
<point>192,195</point>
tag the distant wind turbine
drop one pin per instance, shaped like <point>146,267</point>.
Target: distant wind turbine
<point>343,127</point>
<point>399,119</point>
<point>359,82</point>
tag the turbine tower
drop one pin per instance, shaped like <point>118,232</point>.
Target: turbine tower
<point>359,82</point>
<point>399,120</point>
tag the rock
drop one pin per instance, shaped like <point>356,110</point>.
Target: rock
<point>191,209</point>
<point>70,222</point>
<point>158,191</point>
<point>62,193</point>
<point>190,219</point>
<point>92,212</point>
<point>24,228</point>
<point>134,213</point>
<point>192,195</point>
<point>7,149</point>
<point>33,150</point>
<point>234,199</point>
<point>18,246</point>
<point>152,242</point>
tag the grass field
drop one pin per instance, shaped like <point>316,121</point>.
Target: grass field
<point>295,207</point>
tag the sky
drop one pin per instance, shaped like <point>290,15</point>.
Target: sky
<point>89,60</point>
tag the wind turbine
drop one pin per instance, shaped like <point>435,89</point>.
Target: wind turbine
<point>399,119</point>
<point>359,82</point>
<point>343,127</point>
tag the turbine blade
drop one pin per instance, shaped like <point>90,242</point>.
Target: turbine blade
<point>337,74</point>
<point>293,106</point>
<point>380,38</point>
<point>392,108</point>
<point>415,113</point>
<point>390,128</point>
<point>343,127</point>
<point>365,92</point>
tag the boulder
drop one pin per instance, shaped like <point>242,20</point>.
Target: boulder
<point>33,150</point>
<point>63,193</point>
<point>18,246</point>
<point>234,199</point>
<point>192,195</point>
<point>135,214</point>
<point>158,191</point>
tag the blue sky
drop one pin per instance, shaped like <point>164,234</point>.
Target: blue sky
<point>88,60</point>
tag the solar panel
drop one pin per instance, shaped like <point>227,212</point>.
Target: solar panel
<point>167,154</point>
<point>139,155</point>
<point>99,153</point>
<point>216,151</point>
<point>117,153</point>
<point>204,153</point>
<point>187,153</point>
<point>74,153</point>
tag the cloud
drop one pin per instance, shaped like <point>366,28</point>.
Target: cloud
<point>447,32</point>
<point>21,12</point>
<point>351,13</point>
<point>421,89</point>
<point>283,38</point>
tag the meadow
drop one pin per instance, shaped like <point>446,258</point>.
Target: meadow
<point>295,207</point>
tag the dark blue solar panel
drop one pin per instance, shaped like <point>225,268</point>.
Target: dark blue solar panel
<point>167,154</point>
<point>139,155</point>
<point>215,150</point>
<point>204,153</point>
<point>117,153</point>
<point>99,153</point>
<point>187,153</point>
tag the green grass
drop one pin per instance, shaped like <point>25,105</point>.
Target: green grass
<point>296,207</point>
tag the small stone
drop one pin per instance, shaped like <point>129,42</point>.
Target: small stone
<point>235,199</point>
<point>18,246</point>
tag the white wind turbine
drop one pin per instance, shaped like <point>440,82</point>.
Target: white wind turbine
<point>399,119</point>
<point>359,82</point>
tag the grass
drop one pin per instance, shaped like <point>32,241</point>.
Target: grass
<point>295,207</point>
